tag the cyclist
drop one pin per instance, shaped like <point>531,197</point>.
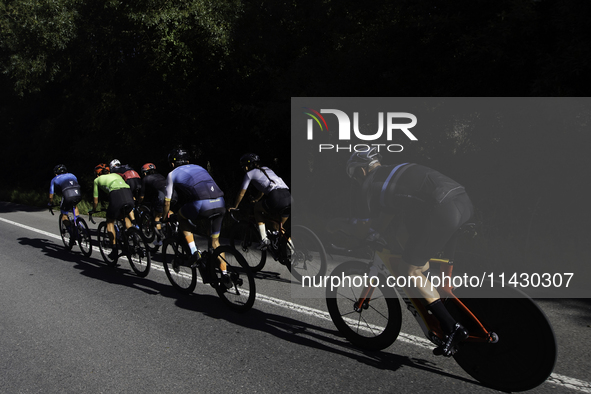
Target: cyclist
<point>153,190</point>
<point>430,205</point>
<point>120,200</point>
<point>273,198</point>
<point>203,198</point>
<point>131,177</point>
<point>67,184</point>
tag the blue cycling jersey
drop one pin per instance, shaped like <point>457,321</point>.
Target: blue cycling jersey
<point>63,181</point>
<point>192,182</point>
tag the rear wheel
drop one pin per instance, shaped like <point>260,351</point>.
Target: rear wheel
<point>375,325</point>
<point>84,239</point>
<point>177,265</point>
<point>305,253</point>
<point>146,223</point>
<point>138,252</point>
<point>240,294</point>
<point>65,233</point>
<point>525,353</point>
<point>106,246</point>
<point>245,238</point>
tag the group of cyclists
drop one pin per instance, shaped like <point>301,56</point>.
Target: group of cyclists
<point>429,204</point>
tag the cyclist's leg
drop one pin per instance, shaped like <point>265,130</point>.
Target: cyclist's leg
<point>189,211</point>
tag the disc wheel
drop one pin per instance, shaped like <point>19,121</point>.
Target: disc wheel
<point>240,294</point>
<point>373,326</point>
<point>177,265</point>
<point>525,353</point>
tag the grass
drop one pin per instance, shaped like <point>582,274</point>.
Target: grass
<point>39,199</point>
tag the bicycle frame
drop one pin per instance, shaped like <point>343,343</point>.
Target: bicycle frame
<point>416,306</point>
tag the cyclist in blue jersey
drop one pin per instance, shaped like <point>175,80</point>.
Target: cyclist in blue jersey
<point>430,205</point>
<point>67,185</point>
<point>202,196</point>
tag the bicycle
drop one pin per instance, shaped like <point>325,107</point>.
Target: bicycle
<point>305,256</point>
<point>76,233</point>
<point>129,242</point>
<point>511,344</point>
<point>181,270</point>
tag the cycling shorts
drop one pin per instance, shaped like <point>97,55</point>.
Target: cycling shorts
<point>431,227</point>
<point>70,198</point>
<point>118,199</point>
<point>203,209</point>
<point>278,202</point>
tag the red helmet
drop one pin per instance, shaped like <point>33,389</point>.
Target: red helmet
<point>148,168</point>
<point>101,169</point>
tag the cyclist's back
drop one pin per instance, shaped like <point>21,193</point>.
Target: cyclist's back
<point>193,182</point>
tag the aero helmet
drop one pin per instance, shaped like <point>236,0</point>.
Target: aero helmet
<point>101,169</point>
<point>60,169</point>
<point>148,168</point>
<point>362,159</point>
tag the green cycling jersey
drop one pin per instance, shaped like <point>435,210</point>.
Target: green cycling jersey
<point>108,183</point>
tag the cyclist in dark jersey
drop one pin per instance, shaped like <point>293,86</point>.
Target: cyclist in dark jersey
<point>203,199</point>
<point>153,191</point>
<point>67,185</point>
<point>430,205</point>
<point>131,177</point>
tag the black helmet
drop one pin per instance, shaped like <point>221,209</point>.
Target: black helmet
<point>362,159</point>
<point>249,158</point>
<point>60,169</point>
<point>178,157</point>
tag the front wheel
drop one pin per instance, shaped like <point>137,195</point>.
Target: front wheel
<point>106,246</point>
<point>178,265</point>
<point>525,353</point>
<point>240,291</point>
<point>138,252</point>
<point>376,323</point>
<point>246,239</point>
<point>305,253</point>
<point>84,239</point>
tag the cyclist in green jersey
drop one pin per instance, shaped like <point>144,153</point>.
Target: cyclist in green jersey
<point>121,201</point>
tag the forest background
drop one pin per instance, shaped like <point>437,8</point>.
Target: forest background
<point>83,82</point>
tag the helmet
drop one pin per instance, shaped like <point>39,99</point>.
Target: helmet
<point>60,169</point>
<point>148,168</point>
<point>101,169</point>
<point>362,159</point>
<point>249,158</point>
<point>178,157</point>
<point>114,163</point>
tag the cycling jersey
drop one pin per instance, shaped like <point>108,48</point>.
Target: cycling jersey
<point>154,190</point>
<point>125,171</point>
<point>261,182</point>
<point>108,183</point>
<point>62,182</point>
<point>192,182</point>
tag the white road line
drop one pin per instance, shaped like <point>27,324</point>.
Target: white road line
<point>556,379</point>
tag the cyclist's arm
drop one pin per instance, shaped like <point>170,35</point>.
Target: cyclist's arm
<point>239,198</point>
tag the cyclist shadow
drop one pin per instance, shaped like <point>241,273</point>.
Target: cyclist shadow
<point>307,334</point>
<point>95,268</point>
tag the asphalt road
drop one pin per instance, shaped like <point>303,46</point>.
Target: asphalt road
<point>69,324</point>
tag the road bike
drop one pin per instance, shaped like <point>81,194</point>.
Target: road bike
<point>181,268</point>
<point>74,230</point>
<point>129,242</point>
<point>511,344</point>
<point>298,248</point>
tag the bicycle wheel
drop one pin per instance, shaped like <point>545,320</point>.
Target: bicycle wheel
<point>525,353</point>
<point>65,233</point>
<point>377,324</point>
<point>305,252</point>
<point>138,252</point>
<point>84,239</point>
<point>240,297</point>
<point>146,223</point>
<point>177,265</point>
<point>105,245</point>
<point>245,238</point>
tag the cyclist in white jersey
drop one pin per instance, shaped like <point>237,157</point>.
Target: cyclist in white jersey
<point>273,199</point>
